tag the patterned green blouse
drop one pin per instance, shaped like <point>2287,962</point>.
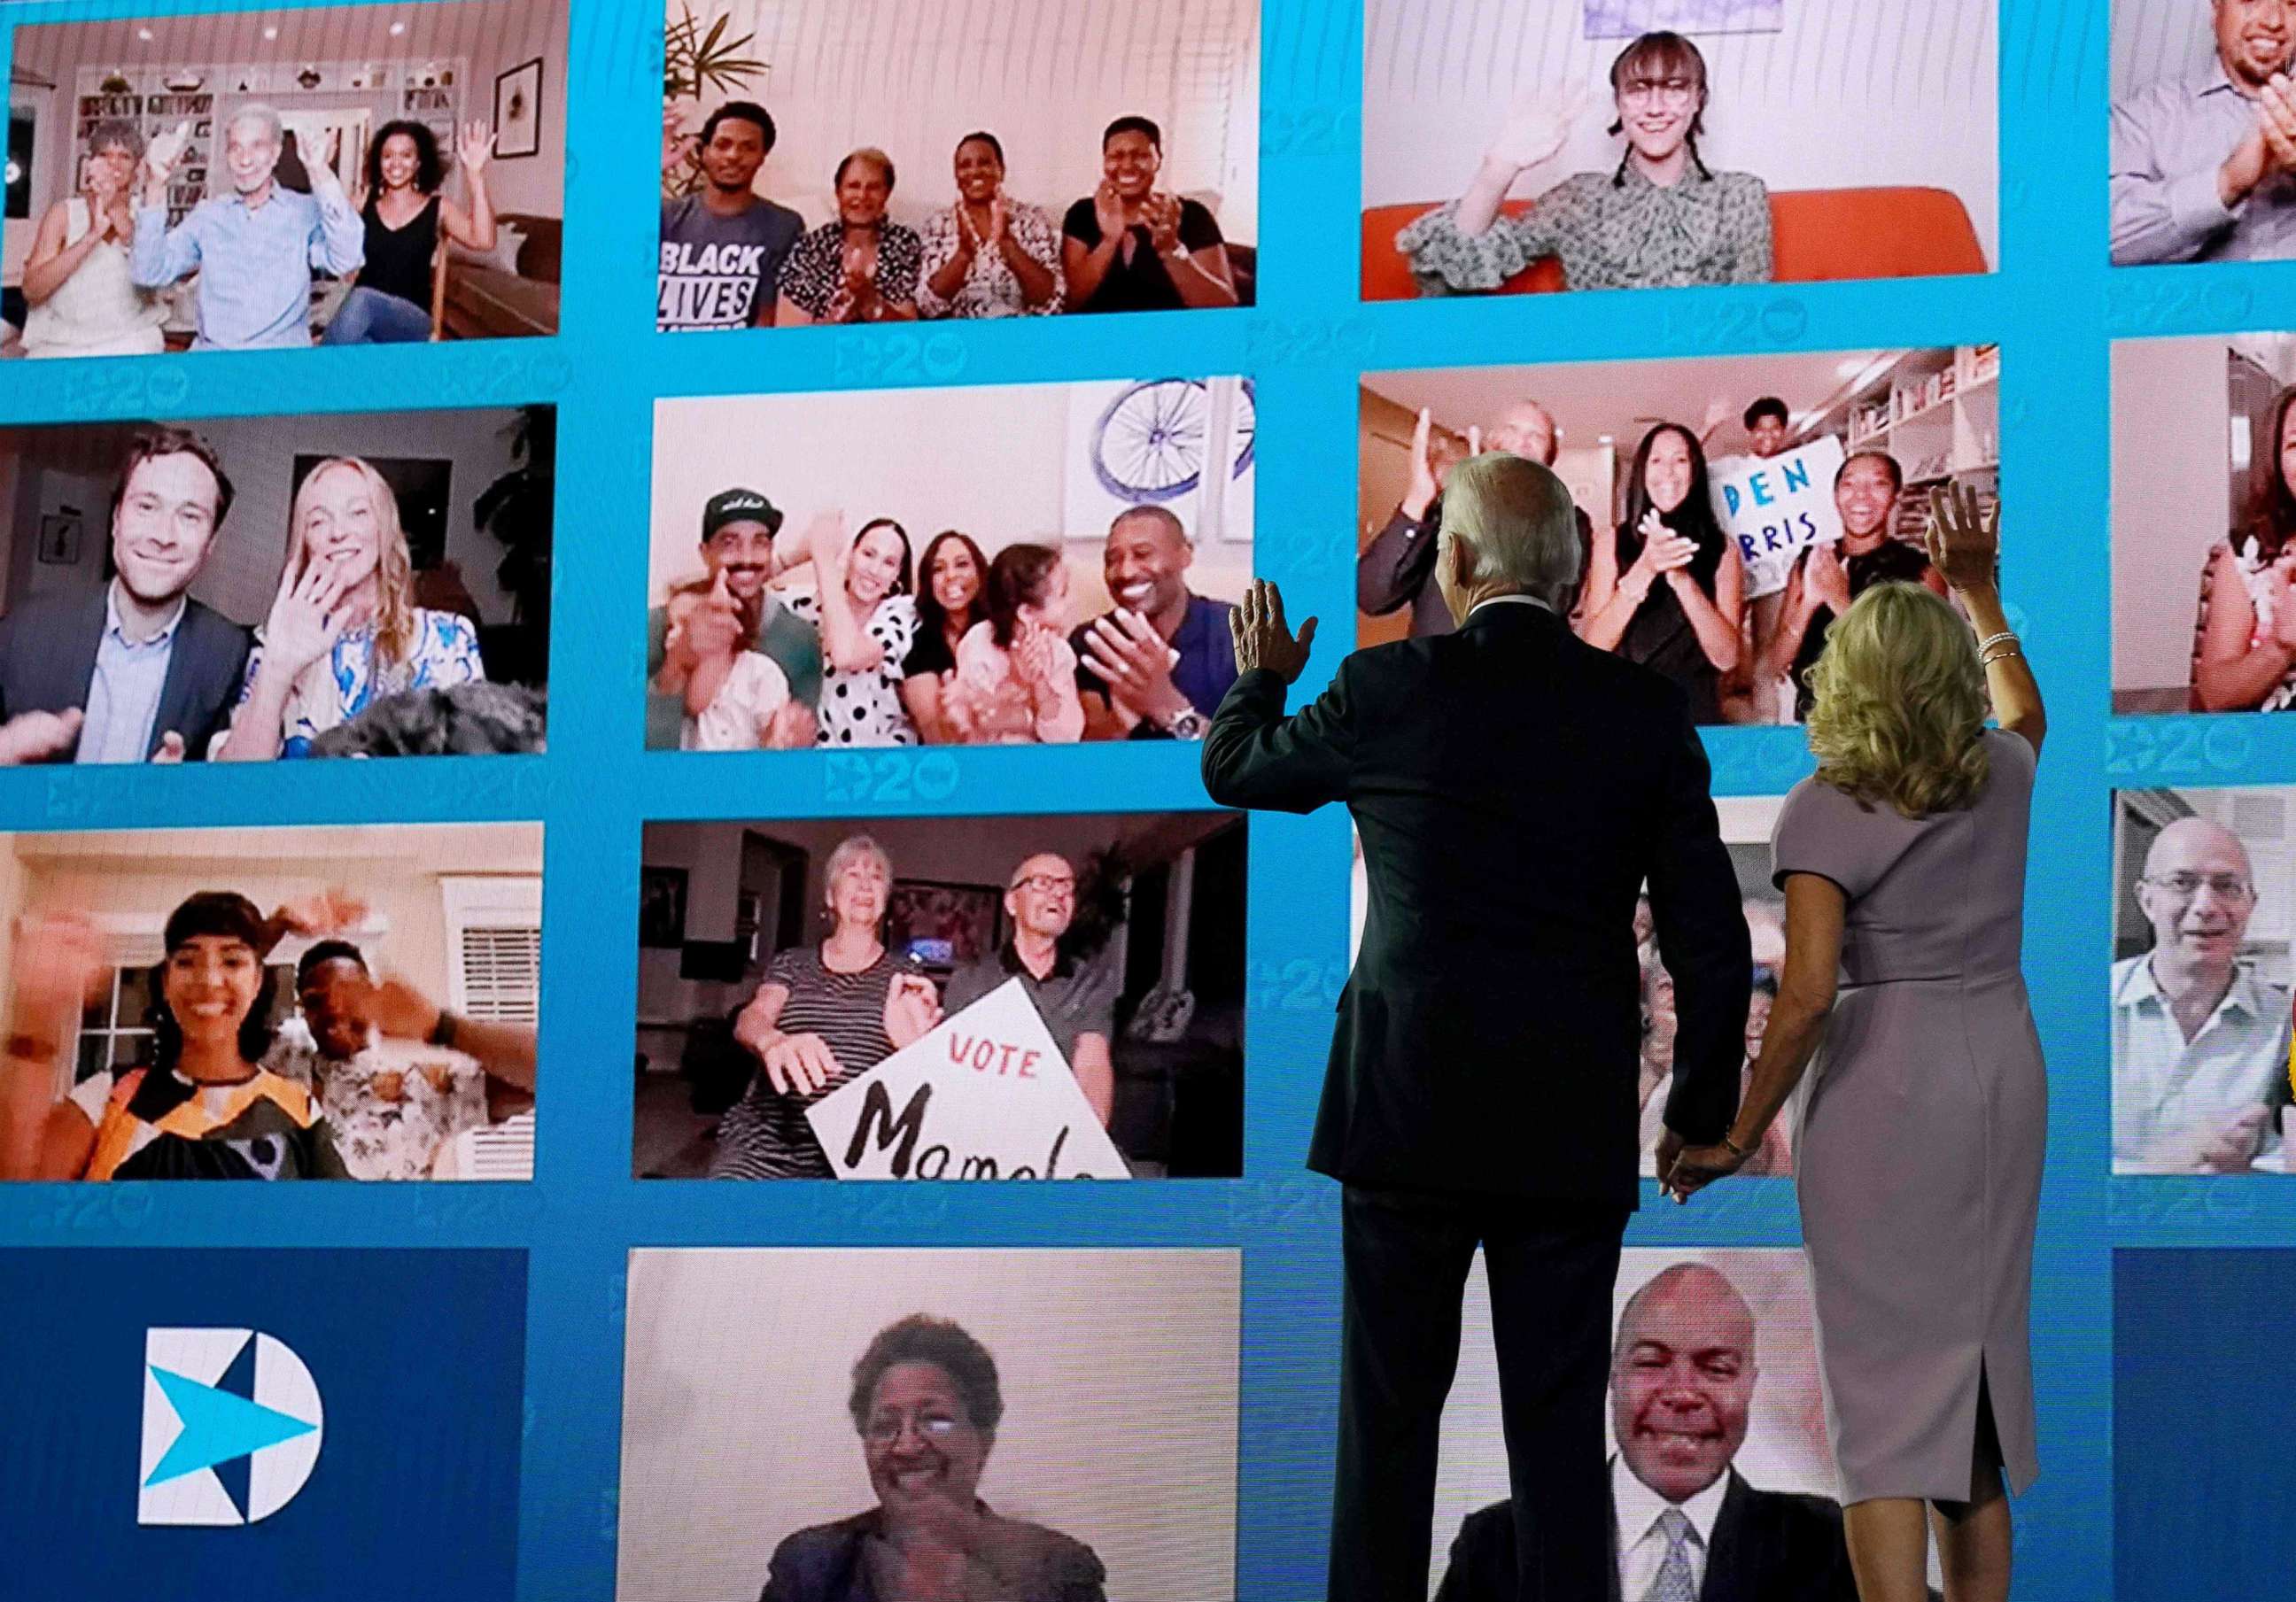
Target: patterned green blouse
<point>1613,230</point>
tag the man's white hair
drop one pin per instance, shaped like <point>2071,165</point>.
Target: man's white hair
<point>1515,521</point>
<point>255,111</point>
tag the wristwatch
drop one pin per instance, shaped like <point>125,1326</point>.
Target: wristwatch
<point>442,1033</point>
<point>1191,724</point>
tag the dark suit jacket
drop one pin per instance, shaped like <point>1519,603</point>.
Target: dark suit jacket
<point>1769,1546</point>
<point>1513,788</point>
<point>47,659</point>
<point>1398,569</point>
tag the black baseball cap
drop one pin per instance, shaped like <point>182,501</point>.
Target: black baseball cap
<point>739,506</point>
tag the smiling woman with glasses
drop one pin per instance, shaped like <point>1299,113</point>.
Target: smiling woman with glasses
<point>927,1404</point>
<point>1660,219</point>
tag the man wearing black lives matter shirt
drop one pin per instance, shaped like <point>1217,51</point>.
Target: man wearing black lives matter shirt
<point>722,246</point>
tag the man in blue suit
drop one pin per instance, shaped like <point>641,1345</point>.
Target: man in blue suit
<point>136,671</point>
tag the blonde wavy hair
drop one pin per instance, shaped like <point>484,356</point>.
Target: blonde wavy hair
<point>394,597</point>
<point>1901,703</point>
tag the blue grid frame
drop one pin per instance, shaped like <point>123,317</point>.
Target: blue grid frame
<point>2054,306</point>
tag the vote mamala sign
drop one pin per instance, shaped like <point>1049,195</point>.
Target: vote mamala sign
<point>1778,507</point>
<point>985,1095</point>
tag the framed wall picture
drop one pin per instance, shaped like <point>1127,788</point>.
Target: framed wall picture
<point>518,111</point>
<point>661,908</point>
<point>60,537</point>
<point>942,927</point>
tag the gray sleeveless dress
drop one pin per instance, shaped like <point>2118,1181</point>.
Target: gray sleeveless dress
<point>1918,1157</point>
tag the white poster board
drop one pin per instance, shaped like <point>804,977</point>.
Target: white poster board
<point>985,1094</point>
<point>1778,507</point>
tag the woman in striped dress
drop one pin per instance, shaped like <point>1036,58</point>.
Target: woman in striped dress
<point>822,1015</point>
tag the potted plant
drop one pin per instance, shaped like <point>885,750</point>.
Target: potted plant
<point>697,60</point>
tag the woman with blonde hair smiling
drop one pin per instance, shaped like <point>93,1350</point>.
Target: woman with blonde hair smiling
<point>1920,1140</point>
<point>344,631</point>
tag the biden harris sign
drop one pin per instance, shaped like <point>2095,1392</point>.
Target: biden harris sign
<point>1777,507</point>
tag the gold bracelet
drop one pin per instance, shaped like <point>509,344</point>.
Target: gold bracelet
<point>1734,1149</point>
<point>1989,660</point>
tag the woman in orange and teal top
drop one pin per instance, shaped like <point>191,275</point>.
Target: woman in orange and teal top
<point>204,1108</point>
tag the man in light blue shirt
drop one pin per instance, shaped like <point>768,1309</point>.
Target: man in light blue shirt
<point>2199,1041</point>
<point>255,249</point>
<point>2205,169</point>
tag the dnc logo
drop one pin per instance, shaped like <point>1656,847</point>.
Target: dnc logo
<point>231,1427</point>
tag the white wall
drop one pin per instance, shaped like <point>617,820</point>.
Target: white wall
<point>913,77</point>
<point>2170,462</point>
<point>1118,1368</point>
<point>989,460</point>
<point>395,869</point>
<point>2155,41</point>
<point>242,576</point>
<point>1785,1447</point>
<point>488,35</point>
<point>1850,93</point>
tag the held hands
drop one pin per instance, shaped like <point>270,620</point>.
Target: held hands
<point>1685,1170</point>
<point>1535,132</point>
<point>476,144</point>
<point>1263,638</point>
<point>1963,543</point>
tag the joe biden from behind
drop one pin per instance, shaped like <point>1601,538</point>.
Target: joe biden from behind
<point>1514,788</point>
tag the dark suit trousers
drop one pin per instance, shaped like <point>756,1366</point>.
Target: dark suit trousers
<point>1552,1266</point>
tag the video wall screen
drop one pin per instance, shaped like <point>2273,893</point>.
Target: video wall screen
<point>380,538</point>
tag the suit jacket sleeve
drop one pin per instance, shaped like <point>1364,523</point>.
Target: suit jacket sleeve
<point>1255,757</point>
<point>1395,566</point>
<point>1700,922</point>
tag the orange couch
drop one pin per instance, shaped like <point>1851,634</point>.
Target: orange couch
<point>1815,234</point>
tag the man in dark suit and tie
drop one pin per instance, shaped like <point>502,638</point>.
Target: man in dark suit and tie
<point>136,671</point>
<point>1684,1525</point>
<point>1513,789</point>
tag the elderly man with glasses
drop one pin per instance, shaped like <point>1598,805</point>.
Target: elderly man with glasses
<point>1076,999</point>
<point>2199,1041</point>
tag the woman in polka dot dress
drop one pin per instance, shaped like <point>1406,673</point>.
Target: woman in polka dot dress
<point>863,607</point>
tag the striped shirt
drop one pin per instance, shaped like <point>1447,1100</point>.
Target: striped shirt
<point>765,1135</point>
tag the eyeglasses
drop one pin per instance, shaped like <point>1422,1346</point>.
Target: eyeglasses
<point>2224,886</point>
<point>1045,884</point>
<point>884,1428</point>
<point>1667,91</point>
